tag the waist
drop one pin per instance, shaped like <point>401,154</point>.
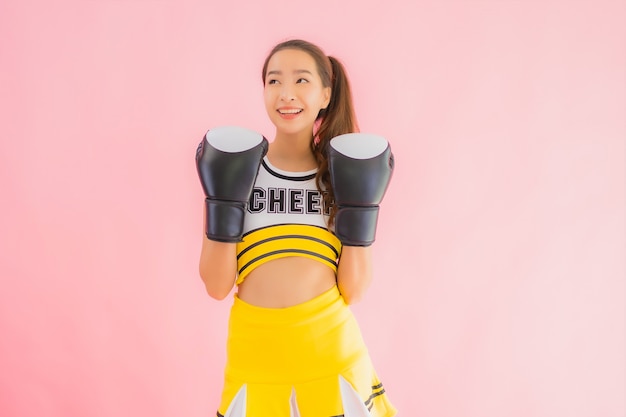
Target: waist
<point>286,282</point>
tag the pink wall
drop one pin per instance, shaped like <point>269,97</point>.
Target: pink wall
<point>500,265</point>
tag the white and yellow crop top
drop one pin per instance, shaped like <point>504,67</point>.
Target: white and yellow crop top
<point>285,217</point>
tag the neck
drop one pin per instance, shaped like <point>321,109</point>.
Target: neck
<point>292,152</point>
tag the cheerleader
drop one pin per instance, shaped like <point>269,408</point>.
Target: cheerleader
<point>291,223</point>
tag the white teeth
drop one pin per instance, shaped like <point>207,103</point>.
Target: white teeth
<point>290,111</point>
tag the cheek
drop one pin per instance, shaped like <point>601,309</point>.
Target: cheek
<point>318,98</point>
<point>268,99</point>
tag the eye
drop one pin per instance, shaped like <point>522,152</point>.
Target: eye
<point>302,80</point>
<point>272,81</point>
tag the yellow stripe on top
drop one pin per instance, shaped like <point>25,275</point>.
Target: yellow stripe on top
<point>279,241</point>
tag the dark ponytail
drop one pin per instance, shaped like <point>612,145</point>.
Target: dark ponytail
<point>336,119</point>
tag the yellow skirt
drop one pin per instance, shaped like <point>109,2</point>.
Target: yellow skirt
<point>308,360</point>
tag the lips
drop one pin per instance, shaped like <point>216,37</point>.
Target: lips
<point>289,111</point>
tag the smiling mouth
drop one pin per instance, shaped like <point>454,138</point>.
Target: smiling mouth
<point>289,111</point>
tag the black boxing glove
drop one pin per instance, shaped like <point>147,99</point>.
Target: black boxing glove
<point>228,160</point>
<point>361,166</point>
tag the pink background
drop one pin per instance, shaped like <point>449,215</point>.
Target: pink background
<point>500,263</point>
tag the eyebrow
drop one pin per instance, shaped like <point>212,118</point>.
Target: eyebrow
<point>300,71</point>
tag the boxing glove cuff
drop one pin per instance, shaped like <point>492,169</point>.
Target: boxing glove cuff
<point>356,226</point>
<point>224,220</point>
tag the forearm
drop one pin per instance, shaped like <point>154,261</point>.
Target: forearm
<point>354,274</point>
<point>360,168</point>
<point>228,160</point>
<point>218,267</point>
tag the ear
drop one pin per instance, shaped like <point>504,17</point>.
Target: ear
<point>326,95</point>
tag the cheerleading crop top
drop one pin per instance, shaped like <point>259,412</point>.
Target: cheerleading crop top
<point>285,217</point>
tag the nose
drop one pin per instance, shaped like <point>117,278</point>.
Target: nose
<point>287,93</point>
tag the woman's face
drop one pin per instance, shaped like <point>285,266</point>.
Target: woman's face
<point>293,91</point>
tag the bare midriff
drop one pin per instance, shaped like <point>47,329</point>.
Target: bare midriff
<point>286,282</point>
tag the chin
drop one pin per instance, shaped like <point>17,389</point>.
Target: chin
<point>294,129</point>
